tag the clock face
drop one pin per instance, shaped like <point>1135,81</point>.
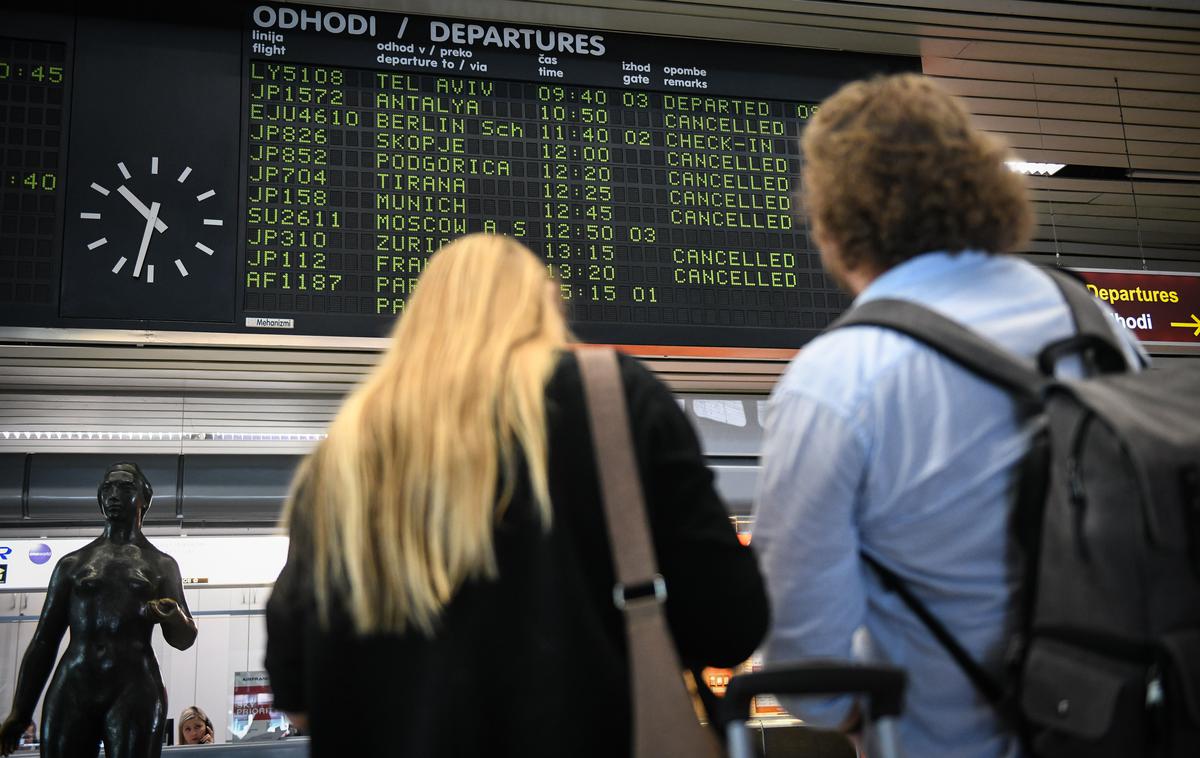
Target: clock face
<point>148,237</point>
<point>154,220</point>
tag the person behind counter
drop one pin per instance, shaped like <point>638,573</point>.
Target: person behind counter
<point>195,727</point>
<point>29,740</point>
<point>449,584</point>
<point>110,593</point>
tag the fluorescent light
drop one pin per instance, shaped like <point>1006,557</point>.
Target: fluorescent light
<point>163,436</point>
<point>1171,176</point>
<point>1035,169</point>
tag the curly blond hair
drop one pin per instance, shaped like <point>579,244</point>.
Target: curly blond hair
<point>893,168</point>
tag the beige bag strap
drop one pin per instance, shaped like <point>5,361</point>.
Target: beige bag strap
<point>664,722</point>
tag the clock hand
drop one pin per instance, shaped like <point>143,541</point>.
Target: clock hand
<point>141,208</point>
<point>153,217</point>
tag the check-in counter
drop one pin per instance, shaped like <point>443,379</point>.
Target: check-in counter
<point>292,747</point>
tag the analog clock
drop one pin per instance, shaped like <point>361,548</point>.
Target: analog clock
<point>163,202</point>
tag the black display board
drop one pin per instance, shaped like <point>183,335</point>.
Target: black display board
<point>276,169</point>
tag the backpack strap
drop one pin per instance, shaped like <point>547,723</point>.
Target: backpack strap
<point>955,341</point>
<point>1094,337</point>
<point>1026,384</point>
<point>983,681</point>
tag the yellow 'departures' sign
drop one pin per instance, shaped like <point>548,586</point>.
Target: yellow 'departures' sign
<point>1157,306</point>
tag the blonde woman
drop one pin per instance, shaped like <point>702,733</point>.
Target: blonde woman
<point>448,590</point>
<point>195,727</point>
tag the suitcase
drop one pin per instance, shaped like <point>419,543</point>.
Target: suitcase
<point>882,687</point>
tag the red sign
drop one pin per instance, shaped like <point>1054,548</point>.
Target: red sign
<point>1155,305</point>
<point>254,716</point>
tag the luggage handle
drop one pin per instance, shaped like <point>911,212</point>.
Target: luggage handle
<point>882,685</point>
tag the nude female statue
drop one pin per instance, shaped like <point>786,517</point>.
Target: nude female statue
<point>110,593</point>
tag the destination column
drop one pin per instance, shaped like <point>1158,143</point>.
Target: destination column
<point>440,156</point>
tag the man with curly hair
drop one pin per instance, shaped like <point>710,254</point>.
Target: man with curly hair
<point>878,444</point>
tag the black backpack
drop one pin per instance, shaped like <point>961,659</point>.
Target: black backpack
<point>1106,522</point>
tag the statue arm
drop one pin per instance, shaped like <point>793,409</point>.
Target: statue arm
<point>178,626</point>
<point>40,655</point>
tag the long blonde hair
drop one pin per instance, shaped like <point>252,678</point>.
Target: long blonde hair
<point>400,501</point>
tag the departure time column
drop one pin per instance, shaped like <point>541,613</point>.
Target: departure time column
<point>577,210</point>
<point>32,75</point>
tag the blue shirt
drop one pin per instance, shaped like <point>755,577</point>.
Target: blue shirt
<point>875,442</point>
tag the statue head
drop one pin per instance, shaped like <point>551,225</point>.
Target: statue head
<point>124,492</point>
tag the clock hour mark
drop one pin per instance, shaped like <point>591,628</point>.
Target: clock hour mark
<point>205,195</point>
<point>99,189</point>
<point>187,170</point>
<point>179,265</point>
<point>154,164</point>
<point>213,222</point>
<point>120,264</point>
<point>204,248</point>
<point>98,243</point>
<point>150,274</point>
<point>89,215</point>
<point>124,171</point>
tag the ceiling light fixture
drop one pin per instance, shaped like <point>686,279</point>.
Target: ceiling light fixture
<point>1035,169</point>
<point>1167,176</point>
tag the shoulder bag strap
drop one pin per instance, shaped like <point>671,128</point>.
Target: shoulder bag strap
<point>664,721</point>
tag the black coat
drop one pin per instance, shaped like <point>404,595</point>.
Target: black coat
<point>534,663</point>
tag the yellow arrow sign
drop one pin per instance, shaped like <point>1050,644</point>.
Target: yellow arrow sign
<point>1193,324</point>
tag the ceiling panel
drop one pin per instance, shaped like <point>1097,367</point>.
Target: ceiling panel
<point>1068,111</point>
<point>1034,92</point>
<point>1102,78</point>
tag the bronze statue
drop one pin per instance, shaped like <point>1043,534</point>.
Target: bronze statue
<point>110,593</point>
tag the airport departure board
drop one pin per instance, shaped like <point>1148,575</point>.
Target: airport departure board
<point>277,169</point>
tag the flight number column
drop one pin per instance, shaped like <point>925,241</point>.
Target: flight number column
<point>298,256</point>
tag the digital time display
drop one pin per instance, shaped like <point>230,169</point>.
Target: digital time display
<point>290,170</point>
<point>31,122</point>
